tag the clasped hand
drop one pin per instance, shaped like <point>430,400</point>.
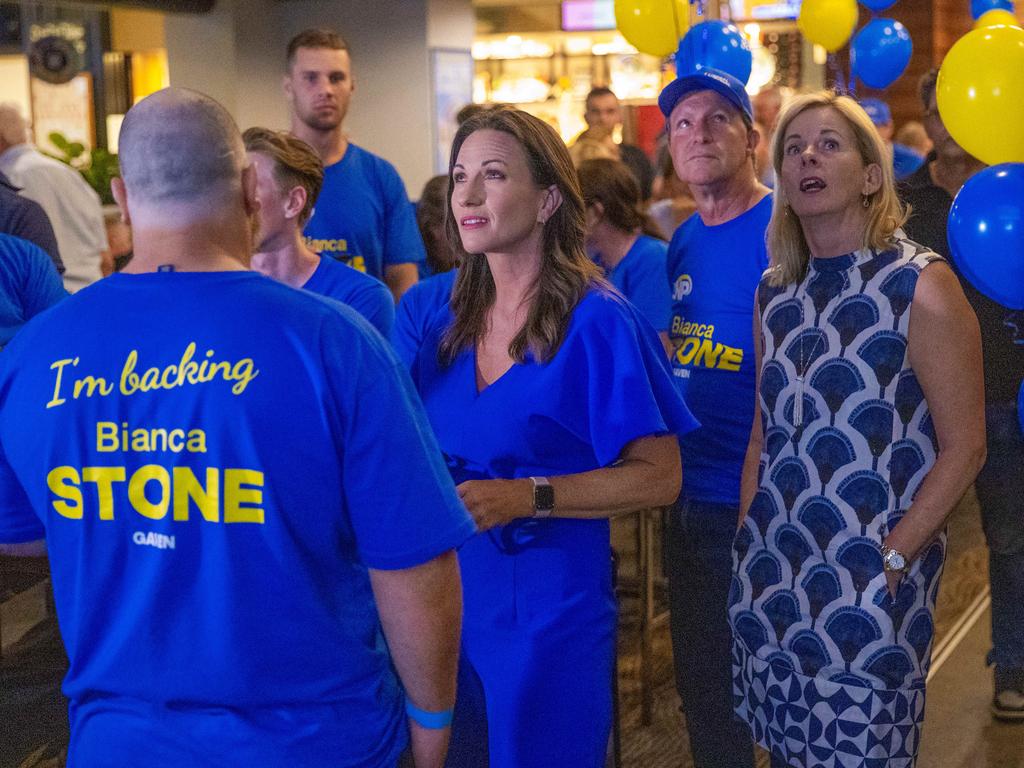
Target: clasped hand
<point>497,502</point>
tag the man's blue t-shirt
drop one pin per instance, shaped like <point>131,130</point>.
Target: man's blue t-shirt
<point>640,277</point>
<point>366,295</point>
<point>714,272</point>
<point>29,283</point>
<point>214,474</point>
<point>363,215</point>
<point>416,309</point>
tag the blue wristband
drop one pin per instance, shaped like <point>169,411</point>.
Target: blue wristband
<point>433,721</point>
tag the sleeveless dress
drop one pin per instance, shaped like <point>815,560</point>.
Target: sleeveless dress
<point>829,670</point>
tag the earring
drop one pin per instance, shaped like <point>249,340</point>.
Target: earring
<point>865,201</point>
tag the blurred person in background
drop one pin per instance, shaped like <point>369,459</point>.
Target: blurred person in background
<point>1000,484</point>
<point>634,262</point>
<point>72,206</point>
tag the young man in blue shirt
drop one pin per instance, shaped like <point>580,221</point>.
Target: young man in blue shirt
<point>715,261</point>
<point>240,576</point>
<point>364,216</point>
<point>288,179</point>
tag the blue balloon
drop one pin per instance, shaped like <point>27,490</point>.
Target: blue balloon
<point>878,5</point>
<point>880,52</point>
<point>1020,407</point>
<point>986,232</point>
<point>717,45</point>
<point>981,7</point>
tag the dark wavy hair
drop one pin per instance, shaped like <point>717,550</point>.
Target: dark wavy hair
<point>565,271</point>
<point>613,185</point>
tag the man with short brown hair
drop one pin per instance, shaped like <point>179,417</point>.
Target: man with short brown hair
<point>289,176</point>
<point>364,218</point>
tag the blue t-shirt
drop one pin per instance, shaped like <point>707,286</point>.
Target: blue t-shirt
<point>214,474</point>
<point>416,309</point>
<point>363,215</point>
<point>366,295</point>
<point>608,384</point>
<point>29,283</point>
<point>714,272</point>
<point>640,277</point>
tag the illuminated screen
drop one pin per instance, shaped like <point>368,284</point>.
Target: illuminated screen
<point>763,10</point>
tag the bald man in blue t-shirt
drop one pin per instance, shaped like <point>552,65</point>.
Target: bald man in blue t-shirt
<point>240,576</point>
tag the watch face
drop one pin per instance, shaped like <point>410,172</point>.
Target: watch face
<point>543,497</point>
<point>894,561</point>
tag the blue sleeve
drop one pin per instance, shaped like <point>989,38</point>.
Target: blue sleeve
<point>31,223</point>
<point>376,304</point>
<point>399,496</point>
<point>42,287</point>
<point>407,333</point>
<point>649,288</point>
<point>402,241</point>
<point>18,523</point>
<point>629,388</point>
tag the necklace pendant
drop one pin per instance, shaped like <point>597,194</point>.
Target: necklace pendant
<point>798,403</point>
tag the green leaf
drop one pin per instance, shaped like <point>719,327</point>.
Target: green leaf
<point>60,142</point>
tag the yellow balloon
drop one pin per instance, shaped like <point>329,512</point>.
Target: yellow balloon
<point>653,26</point>
<point>828,23</point>
<point>980,94</point>
<point>995,17</point>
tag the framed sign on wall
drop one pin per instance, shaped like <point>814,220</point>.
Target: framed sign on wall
<point>451,79</point>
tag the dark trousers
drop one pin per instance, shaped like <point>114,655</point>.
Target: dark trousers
<point>698,555</point>
<point>1000,488</point>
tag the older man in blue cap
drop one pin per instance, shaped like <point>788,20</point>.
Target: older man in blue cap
<point>715,261</point>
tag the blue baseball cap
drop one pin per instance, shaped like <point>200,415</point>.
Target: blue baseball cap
<point>877,110</point>
<point>706,79</point>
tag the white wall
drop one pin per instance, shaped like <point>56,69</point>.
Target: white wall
<point>236,55</point>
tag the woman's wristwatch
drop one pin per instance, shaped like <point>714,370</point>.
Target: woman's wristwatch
<point>543,497</point>
<point>894,561</point>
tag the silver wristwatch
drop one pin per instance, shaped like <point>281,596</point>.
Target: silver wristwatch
<point>894,561</point>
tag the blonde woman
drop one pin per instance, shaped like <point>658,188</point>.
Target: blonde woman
<point>866,438</point>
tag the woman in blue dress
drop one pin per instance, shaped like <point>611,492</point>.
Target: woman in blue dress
<point>870,429</point>
<point>634,262</point>
<point>554,405</point>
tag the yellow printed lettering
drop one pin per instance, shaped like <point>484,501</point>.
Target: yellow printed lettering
<point>196,441</point>
<point>130,379</point>
<point>687,350</point>
<point>59,367</point>
<point>137,491</point>
<point>235,496</point>
<point>731,359</point>
<point>106,436</point>
<point>176,440</point>
<point>708,353</point>
<point>63,481</point>
<point>140,440</point>
<point>104,477</point>
<point>91,384</point>
<point>187,487</point>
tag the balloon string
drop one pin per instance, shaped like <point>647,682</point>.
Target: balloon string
<point>839,80</point>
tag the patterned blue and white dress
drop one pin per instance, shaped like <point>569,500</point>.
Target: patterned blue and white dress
<point>829,669</point>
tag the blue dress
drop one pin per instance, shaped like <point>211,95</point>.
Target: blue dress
<point>829,669</point>
<point>539,626</point>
